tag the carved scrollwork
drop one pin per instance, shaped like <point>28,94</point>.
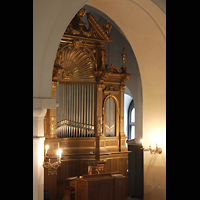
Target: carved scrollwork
<point>67,75</point>
<point>52,167</point>
<point>112,88</point>
<point>112,69</point>
<point>100,87</point>
<point>49,165</point>
<point>107,27</point>
<point>74,62</point>
<point>77,43</point>
<point>99,126</point>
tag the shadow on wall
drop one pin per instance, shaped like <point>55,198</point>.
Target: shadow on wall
<point>156,193</point>
<point>155,176</point>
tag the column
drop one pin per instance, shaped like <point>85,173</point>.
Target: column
<point>38,153</point>
<point>99,128</point>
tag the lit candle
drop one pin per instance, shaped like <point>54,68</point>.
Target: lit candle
<point>59,154</point>
<point>46,147</point>
<point>142,141</point>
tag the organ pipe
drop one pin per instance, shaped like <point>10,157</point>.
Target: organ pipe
<point>75,111</point>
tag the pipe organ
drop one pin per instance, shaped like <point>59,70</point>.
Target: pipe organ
<point>88,124</point>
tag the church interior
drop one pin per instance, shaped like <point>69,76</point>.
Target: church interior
<point>99,119</point>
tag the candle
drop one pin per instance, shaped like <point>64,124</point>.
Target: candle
<point>142,141</point>
<point>46,147</point>
<point>59,154</point>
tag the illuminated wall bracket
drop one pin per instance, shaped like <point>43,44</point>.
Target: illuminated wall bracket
<point>157,150</point>
<point>52,167</point>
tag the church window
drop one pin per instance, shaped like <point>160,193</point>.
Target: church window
<point>131,121</point>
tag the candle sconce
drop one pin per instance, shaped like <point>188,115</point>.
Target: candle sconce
<point>157,150</point>
<point>52,167</point>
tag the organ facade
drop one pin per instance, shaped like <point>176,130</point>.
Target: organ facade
<point>88,123</point>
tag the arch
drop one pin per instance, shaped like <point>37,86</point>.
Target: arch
<point>144,33</point>
<point>144,26</point>
<point>46,38</point>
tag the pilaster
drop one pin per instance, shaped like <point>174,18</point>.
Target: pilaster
<point>50,117</point>
<point>38,153</point>
<point>98,121</point>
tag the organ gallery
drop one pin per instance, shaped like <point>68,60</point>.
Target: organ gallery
<point>88,123</point>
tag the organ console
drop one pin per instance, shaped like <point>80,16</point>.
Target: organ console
<point>88,124</point>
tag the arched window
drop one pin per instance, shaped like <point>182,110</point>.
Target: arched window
<point>131,121</point>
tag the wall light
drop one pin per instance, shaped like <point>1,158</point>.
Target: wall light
<point>52,167</point>
<point>157,150</point>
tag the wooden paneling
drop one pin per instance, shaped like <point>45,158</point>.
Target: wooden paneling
<point>55,185</point>
<point>71,145</point>
<point>112,141</point>
<point>95,190</point>
<point>50,184</point>
<point>117,164</point>
<point>120,185</point>
<point>106,186</point>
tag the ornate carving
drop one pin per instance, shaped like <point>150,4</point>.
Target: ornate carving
<point>53,124</point>
<point>81,13</point>
<point>77,43</point>
<point>112,88</point>
<point>74,63</point>
<point>111,74</point>
<point>99,126</point>
<point>99,75</point>
<point>82,50</point>
<point>77,27</point>
<point>67,75</point>
<point>103,58</point>
<point>57,72</point>
<point>112,69</point>
<point>107,27</point>
<point>100,32</point>
<point>122,88</point>
<point>100,87</point>
<point>54,84</point>
<point>123,56</point>
<point>123,68</point>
